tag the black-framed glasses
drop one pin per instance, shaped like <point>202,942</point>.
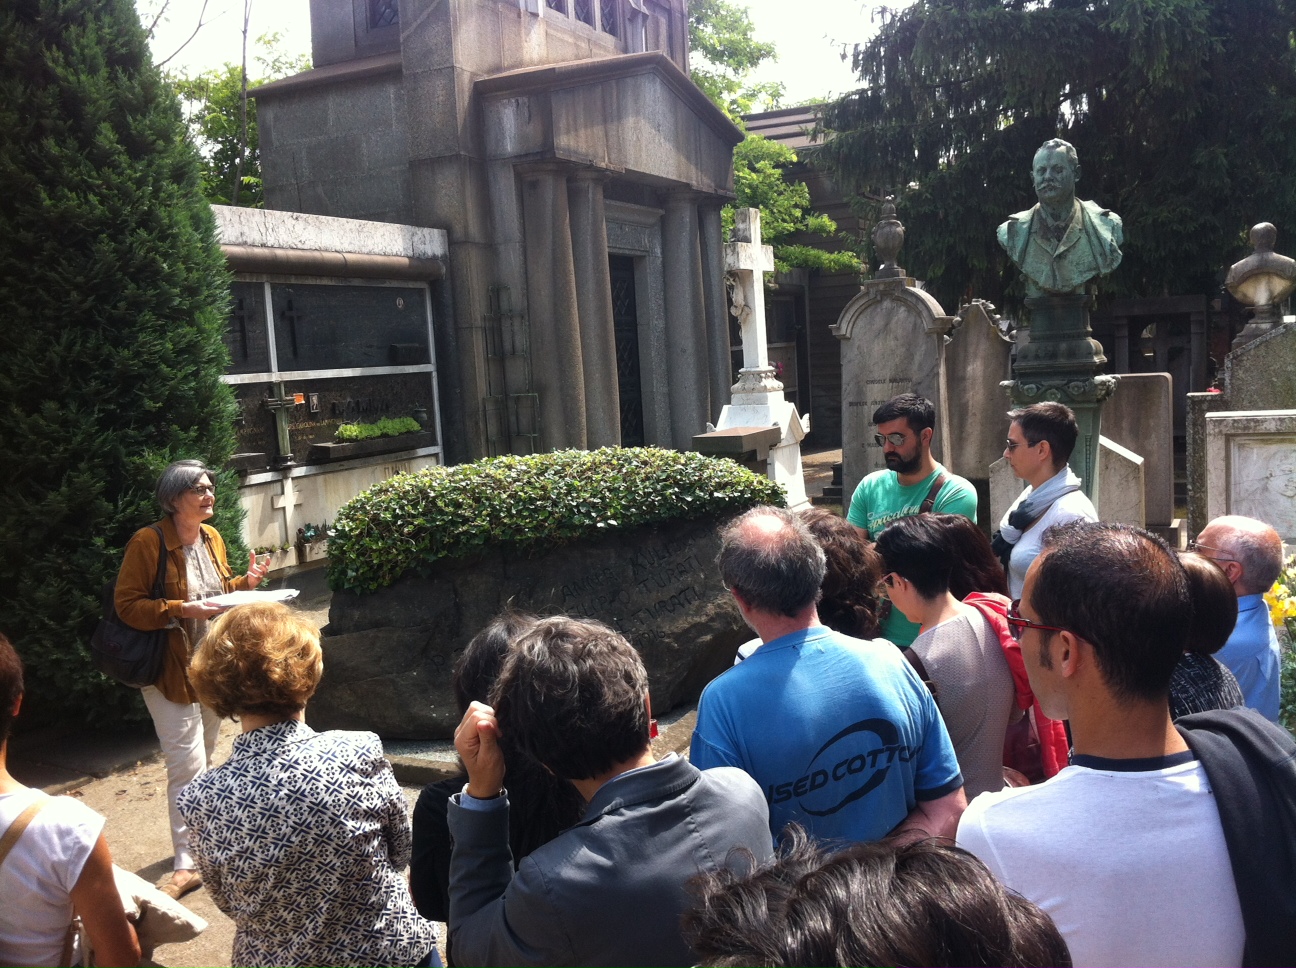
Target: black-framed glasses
<point>201,489</point>
<point>896,440</point>
<point>1017,625</point>
<point>1217,554</point>
<point>1010,445</point>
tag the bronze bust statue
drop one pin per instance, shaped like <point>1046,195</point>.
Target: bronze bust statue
<point>1062,243</point>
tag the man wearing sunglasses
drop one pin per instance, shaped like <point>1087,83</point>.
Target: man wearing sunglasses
<point>1250,554</point>
<point>912,483</point>
<point>1157,845</point>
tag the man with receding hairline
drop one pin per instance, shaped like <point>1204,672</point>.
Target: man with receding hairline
<point>840,733</point>
<point>1250,554</point>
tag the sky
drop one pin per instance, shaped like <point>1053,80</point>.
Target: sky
<point>809,46</point>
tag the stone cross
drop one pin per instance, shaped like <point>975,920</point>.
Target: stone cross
<point>746,262</point>
<point>280,405</point>
<point>758,414</point>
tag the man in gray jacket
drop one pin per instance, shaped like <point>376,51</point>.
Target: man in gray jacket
<point>610,890</point>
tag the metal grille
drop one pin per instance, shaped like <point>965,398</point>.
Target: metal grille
<point>383,13</point>
<point>626,329</point>
<point>609,17</point>
<point>585,11</point>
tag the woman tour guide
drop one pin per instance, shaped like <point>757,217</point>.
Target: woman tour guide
<point>196,570</point>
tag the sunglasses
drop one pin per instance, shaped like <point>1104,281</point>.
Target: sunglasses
<point>896,439</point>
<point>1216,553</point>
<point>1017,625</point>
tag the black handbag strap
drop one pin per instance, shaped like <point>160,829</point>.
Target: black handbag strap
<point>929,501</point>
<point>159,584</point>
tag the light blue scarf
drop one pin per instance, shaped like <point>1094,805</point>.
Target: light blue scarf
<point>1036,502</point>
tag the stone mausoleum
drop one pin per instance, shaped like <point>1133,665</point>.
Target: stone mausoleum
<point>577,175</point>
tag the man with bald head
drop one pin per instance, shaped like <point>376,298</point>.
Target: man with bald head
<point>1250,553</point>
<point>840,733</point>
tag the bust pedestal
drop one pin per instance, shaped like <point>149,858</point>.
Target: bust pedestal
<point>1060,363</point>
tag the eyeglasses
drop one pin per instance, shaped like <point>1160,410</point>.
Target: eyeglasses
<point>1217,556</point>
<point>896,439</point>
<point>202,489</point>
<point>1017,625</point>
<point>1010,445</point>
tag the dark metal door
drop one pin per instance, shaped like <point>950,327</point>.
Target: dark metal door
<point>625,322</point>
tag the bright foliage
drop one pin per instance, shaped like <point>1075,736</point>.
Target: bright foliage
<point>1183,113</point>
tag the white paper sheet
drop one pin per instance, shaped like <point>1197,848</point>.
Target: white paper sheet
<point>230,599</point>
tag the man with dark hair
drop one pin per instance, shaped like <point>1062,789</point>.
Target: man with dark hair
<point>912,482</point>
<point>610,890</point>
<point>881,903</point>
<point>1041,438</point>
<point>840,733</point>
<point>1156,845</point>
<point>1250,554</point>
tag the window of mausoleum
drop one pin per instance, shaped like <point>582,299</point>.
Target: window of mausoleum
<point>383,13</point>
<point>608,17</point>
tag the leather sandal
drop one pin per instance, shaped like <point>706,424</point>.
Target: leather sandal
<point>176,891</point>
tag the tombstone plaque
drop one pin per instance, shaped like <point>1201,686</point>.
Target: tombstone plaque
<point>893,337</point>
<point>1251,467</point>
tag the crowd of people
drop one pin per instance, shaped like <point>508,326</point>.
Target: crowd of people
<point>1057,746</point>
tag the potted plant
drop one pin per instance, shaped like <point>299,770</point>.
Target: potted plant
<point>312,542</point>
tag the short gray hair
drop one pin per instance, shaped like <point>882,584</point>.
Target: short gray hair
<point>1256,546</point>
<point>176,479</point>
<point>775,569</point>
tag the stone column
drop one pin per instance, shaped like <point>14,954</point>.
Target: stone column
<point>720,369</point>
<point>557,371</point>
<point>686,351</point>
<point>594,301</point>
<point>1121,339</point>
<point>1061,363</point>
<point>1198,352</point>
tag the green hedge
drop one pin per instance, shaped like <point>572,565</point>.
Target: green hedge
<point>535,503</point>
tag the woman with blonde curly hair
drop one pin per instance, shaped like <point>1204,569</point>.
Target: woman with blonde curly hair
<point>300,836</point>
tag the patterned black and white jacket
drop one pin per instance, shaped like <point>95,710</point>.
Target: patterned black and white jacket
<point>301,838</point>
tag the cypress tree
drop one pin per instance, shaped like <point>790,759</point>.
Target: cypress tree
<point>112,301</point>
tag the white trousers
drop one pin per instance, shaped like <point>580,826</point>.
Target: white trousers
<point>188,733</point>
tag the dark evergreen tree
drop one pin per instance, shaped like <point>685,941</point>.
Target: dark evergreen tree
<point>1182,112</point>
<point>112,296</point>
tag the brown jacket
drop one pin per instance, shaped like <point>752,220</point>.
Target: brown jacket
<point>138,608</point>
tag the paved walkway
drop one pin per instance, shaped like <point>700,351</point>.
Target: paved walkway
<point>120,774</point>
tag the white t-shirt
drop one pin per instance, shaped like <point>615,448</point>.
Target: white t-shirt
<point>1131,865</point>
<point>37,877</point>
<point>1068,507</point>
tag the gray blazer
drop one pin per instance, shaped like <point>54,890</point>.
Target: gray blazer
<point>610,890</point>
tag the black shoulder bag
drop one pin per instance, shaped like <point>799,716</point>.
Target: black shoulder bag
<point>123,652</point>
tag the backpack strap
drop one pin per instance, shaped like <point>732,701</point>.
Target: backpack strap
<point>921,669</point>
<point>929,501</point>
<point>159,583</point>
<point>15,829</point>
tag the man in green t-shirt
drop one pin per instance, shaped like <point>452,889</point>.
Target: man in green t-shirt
<point>905,425</point>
